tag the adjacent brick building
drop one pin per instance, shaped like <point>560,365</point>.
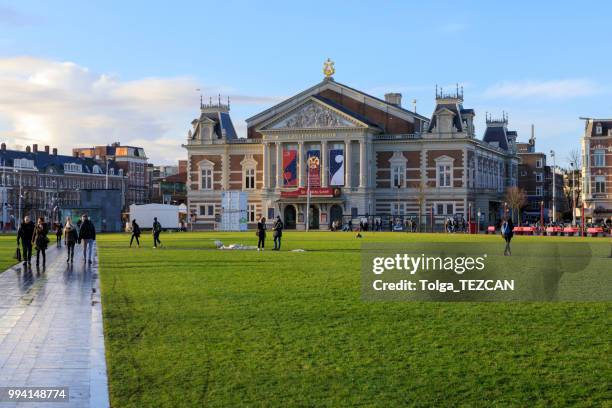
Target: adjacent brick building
<point>597,168</point>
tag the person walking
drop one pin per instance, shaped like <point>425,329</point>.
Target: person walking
<point>278,233</point>
<point>157,228</point>
<point>507,231</point>
<point>25,233</point>
<point>135,233</point>
<point>261,233</point>
<point>87,234</point>
<point>70,238</point>
<point>59,230</point>
<point>40,240</point>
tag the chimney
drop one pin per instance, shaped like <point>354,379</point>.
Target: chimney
<point>28,149</point>
<point>47,149</point>
<point>3,147</point>
<point>35,148</point>
<point>55,151</point>
<point>394,99</point>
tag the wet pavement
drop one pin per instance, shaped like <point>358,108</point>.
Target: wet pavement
<point>51,330</point>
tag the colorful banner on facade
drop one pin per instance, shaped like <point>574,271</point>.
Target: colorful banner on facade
<point>314,168</point>
<point>290,178</point>
<point>336,167</point>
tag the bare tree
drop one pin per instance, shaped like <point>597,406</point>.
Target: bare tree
<point>575,156</point>
<point>516,199</point>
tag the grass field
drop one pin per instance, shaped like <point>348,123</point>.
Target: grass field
<point>188,325</point>
<point>8,243</point>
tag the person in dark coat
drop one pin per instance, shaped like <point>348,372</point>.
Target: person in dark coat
<point>135,233</point>
<point>157,229</point>
<point>70,238</point>
<point>25,235</point>
<point>40,241</point>
<point>278,233</point>
<point>507,231</point>
<point>261,233</point>
<point>59,230</point>
<point>87,234</point>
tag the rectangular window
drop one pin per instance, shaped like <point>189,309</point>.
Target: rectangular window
<point>207,179</point>
<point>398,208</point>
<point>539,177</point>
<point>445,208</point>
<point>539,163</point>
<point>444,175</point>
<point>251,212</point>
<point>207,210</point>
<point>539,191</point>
<point>397,176</point>
<point>600,184</point>
<point>599,158</point>
<point>249,179</point>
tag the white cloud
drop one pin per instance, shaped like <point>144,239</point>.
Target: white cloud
<point>554,89</point>
<point>66,105</point>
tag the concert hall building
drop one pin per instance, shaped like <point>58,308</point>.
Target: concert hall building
<point>356,154</point>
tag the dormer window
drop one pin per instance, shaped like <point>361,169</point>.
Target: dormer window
<point>598,129</point>
<point>23,163</point>
<point>73,168</point>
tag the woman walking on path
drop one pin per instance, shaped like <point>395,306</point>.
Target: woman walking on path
<point>40,240</point>
<point>278,233</point>
<point>507,231</point>
<point>135,233</point>
<point>58,234</point>
<point>261,233</point>
<point>70,238</point>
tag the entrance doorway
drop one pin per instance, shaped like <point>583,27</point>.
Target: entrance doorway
<point>335,214</point>
<point>289,217</point>
<point>313,217</point>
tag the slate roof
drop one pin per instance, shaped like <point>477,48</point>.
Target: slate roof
<point>46,162</point>
<point>605,126</point>
<point>496,134</point>
<point>223,122</point>
<point>456,109</point>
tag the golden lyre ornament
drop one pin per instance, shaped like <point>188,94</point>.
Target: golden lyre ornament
<point>328,68</point>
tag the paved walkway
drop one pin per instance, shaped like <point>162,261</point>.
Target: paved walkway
<point>51,330</point>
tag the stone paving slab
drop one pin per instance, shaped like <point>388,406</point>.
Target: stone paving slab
<point>51,330</point>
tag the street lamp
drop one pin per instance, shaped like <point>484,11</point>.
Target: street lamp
<point>19,205</point>
<point>554,188</point>
<point>573,196</point>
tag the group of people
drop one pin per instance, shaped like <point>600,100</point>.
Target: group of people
<point>32,235</point>
<point>454,224</point>
<point>277,229</point>
<point>136,232</point>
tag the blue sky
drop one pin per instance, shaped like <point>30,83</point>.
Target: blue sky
<point>74,73</point>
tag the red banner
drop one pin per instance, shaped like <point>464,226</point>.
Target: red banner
<point>314,192</point>
<point>290,168</point>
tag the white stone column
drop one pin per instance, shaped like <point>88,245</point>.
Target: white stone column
<point>301,166</point>
<point>324,160</point>
<point>279,165</point>
<point>347,164</point>
<point>363,161</point>
<point>266,165</point>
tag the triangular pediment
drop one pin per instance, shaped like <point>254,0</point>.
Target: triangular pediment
<point>313,114</point>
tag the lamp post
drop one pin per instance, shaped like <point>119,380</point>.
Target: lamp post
<point>469,218</point>
<point>573,196</point>
<point>542,216</point>
<point>554,188</point>
<point>478,220</point>
<point>19,205</point>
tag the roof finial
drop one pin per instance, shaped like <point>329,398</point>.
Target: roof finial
<point>228,101</point>
<point>219,100</point>
<point>328,69</point>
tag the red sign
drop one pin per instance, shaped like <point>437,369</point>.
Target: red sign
<point>314,192</point>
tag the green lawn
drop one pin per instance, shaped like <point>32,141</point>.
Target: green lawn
<point>188,325</point>
<point>8,243</point>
